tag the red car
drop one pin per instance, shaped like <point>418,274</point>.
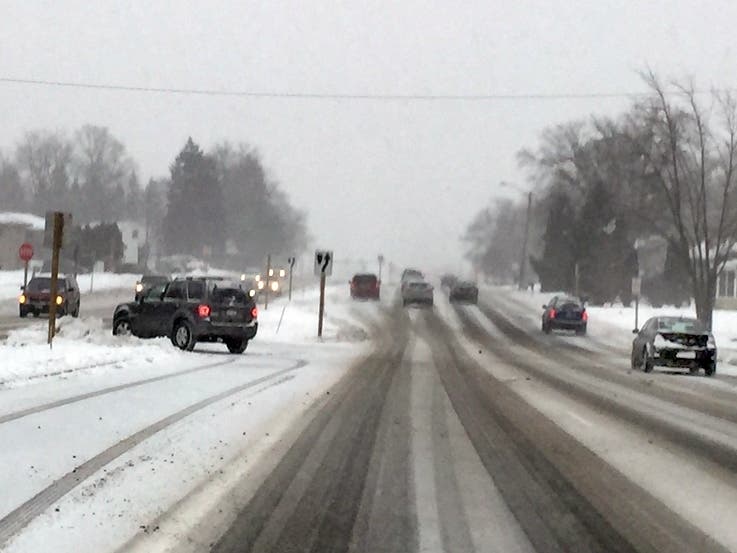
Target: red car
<point>365,286</point>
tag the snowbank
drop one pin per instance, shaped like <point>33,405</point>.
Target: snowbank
<point>25,219</point>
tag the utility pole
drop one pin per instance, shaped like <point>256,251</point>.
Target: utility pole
<point>523,259</point>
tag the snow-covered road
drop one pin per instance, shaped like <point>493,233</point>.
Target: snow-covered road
<point>458,428</point>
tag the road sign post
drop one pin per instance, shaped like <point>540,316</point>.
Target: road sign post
<point>636,289</point>
<point>291,262</point>
<point>381,263</point>
<point>57,239</point>
<point>25,252</point>
<point>323,269</point>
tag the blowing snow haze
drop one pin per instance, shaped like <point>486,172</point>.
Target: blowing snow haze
<point>389,124</point>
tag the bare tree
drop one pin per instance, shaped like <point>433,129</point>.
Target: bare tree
<point>44,160</point>
<point>691,154</point>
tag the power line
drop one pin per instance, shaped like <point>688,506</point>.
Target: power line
<point>325,96</point>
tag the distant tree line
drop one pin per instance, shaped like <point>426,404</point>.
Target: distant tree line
<point>603,187</point>
<point>221,205</point>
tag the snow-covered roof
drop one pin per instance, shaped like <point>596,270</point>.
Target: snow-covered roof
<point>24,219</point>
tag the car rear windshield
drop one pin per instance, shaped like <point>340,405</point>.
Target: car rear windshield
<point>570,302</point>
<point>680,325</point>
<point>229,296</point>
<point>418,285</point>
<point>365,279</point>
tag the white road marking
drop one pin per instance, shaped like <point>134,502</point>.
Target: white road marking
<point>428,519</point>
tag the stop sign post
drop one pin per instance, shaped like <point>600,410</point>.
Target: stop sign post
<point>25,252</point>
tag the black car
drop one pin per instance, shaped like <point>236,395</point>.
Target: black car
<point>146,282</point>
<point>365,286</point>
<point>565,313</point>
<point>191,310</point>
<point>448,281</point>
<point>674,342</point>
<point>37,294</point>
<point>464,291</point>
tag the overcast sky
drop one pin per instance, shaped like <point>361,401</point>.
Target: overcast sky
<point>398,177</point>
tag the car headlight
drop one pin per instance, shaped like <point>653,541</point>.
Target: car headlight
<point>275,286</point>
<point>252,292</point>
<point>139,287</point>
<point>271,272</point>
<point>258,278</point>
<point>260,284</point>
<point>22,299</point>
<point>282,273</point>
<point>243,277</point>
<point>59,300</point>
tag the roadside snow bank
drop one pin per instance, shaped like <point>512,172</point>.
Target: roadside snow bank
<point>80,345</point>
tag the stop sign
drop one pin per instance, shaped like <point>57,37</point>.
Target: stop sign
<point>25,252</point>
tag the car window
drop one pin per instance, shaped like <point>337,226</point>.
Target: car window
<point>196,290</point>
<point>175,291</point>
<point>154,293</point>
<point>672,324</point>
<point>553,301</point>
<point>364,279</point>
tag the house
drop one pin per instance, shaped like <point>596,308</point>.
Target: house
<point>15,229</point>
<point>134,239</point>
<point>726,289</point>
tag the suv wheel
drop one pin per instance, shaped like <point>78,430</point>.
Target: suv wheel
<point>182,336</point>
<point>646,364</point>
<point>710,368</point>
<point>122,327</point>
<point>237,346</point>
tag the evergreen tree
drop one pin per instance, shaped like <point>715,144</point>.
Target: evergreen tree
<point>195,218</point>
<point>556,266</point>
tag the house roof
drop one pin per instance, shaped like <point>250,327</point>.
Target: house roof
<point>23,219</point>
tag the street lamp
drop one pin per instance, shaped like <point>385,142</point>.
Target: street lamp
<point>523,255</point>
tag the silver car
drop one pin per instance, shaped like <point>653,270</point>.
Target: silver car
<point>417,291</point>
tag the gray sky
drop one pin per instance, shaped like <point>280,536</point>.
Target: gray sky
<point>399,177</point>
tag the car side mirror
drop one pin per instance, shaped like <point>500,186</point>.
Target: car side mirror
<point>635,331</point>
<point>70,289</point>
<point>545,306</point>
<point>22,288</point>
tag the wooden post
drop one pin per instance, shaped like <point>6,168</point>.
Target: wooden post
<point>25,275</point>
<point>58,230</point>
<point>322,305</point>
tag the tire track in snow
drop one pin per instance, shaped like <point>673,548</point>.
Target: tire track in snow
<point>81,397</point>
<point>25,513</point>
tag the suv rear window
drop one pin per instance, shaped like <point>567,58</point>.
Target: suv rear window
<point>229,296</point>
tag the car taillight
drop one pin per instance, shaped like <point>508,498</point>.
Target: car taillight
<point>584,316</point>
<point>552,313</point>
<point>254,313</point>
<point>203,310</point>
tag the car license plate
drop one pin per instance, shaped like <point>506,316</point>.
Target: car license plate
<point>686,355</point>
<point>231,313</point>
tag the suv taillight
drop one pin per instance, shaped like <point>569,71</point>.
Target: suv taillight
<point>203,310</point>
<point>584,316</point>
<point>552,313</point>
<point>254,312</point>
